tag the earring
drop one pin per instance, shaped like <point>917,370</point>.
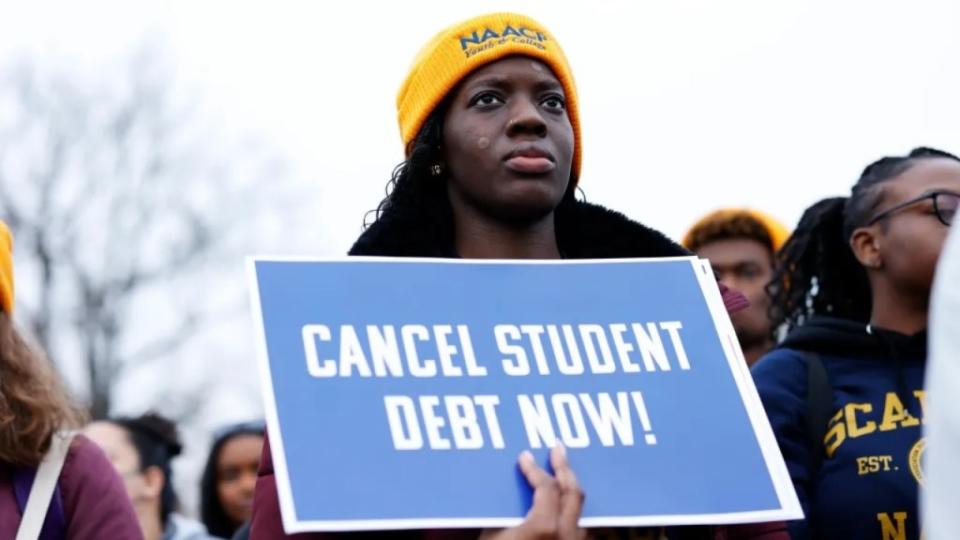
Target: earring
<point>436,169</point>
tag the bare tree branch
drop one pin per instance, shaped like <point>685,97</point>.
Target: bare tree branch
<point>161,348</point>
<point>102,185</point>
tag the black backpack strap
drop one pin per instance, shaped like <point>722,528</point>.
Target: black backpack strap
<point>819,405</point>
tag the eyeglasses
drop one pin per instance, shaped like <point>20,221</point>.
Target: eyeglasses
<point>944,206</point>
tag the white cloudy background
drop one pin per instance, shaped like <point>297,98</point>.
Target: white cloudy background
<point>687,105</point>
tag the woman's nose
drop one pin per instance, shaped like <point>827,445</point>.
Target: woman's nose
<point>526,119</point>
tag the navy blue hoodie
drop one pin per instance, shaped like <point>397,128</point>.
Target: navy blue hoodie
<point>866,486</point>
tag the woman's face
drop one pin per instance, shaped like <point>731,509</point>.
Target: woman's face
<point>910,240</point>
<point>508,142</point>
<point>237,475</point>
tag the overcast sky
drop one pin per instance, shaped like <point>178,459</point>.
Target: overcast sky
<point>686,105</point>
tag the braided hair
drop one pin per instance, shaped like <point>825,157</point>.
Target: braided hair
<point>816,271</point>
<point>157,443</point>
<point>415,191</point>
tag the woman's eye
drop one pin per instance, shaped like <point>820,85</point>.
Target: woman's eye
<point>554,103</point>
<point>486,99</point>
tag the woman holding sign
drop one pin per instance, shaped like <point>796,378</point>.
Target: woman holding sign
<point>489,119</point>
<point>844,392</point>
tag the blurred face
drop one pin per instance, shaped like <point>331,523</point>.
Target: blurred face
<point>747,266</point>
<point>237,475</point>
<point>115,443</point>
<point>909,241</point>
<point>508,143</point>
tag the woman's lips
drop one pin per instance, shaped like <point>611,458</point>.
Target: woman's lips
<point>530,164</point>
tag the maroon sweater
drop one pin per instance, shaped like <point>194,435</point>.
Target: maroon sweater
<point>94,499</point>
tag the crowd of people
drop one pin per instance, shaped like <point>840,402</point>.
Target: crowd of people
<point>832,317</point>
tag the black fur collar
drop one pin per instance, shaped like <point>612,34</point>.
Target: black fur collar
<point>584,231</point>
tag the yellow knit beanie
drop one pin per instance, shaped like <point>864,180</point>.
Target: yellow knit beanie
<point>777,231</point>
<point>462,48</point>
<point>6,269</point>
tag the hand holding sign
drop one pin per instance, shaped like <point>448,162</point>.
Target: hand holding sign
<point>557,502</point>
<point>435,378</point>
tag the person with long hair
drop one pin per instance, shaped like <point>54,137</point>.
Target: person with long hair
<point>229,478</point>
<point>844,391</point>
<point>142,449</point>
<point>89,502</point>
<point>491,131</point>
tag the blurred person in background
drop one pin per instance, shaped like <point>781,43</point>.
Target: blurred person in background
<point>229,478</point>
<point>88,502</point>
<point>844,391</point>
<point>142,449</point>
<point>740,244</point>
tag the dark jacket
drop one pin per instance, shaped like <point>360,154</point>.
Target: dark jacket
<point>584,231</point>
<point>95,502</point>
<point>867,483</point>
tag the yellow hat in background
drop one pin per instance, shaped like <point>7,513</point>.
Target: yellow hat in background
<point>719,223</point>
<point>462,48</point>
<point>6,269</point>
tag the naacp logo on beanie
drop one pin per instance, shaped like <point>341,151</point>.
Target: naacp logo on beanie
<point>464,47</point>
<point>490,38</point>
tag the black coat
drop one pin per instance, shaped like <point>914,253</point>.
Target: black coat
<point>584,231</point>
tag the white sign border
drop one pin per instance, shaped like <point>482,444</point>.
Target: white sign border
<point>789,504</point>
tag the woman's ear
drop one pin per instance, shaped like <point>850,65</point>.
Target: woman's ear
<point>865,244</point>
<point>153,482</point>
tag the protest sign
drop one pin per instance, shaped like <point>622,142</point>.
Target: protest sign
<point>399,392</point>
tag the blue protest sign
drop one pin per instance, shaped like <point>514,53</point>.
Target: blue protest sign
<point>400,392</point>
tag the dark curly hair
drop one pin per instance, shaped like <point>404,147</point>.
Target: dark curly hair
<point>816,271</point>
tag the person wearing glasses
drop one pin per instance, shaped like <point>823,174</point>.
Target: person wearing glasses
<point>229,478</point>
<point>844,391</point>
